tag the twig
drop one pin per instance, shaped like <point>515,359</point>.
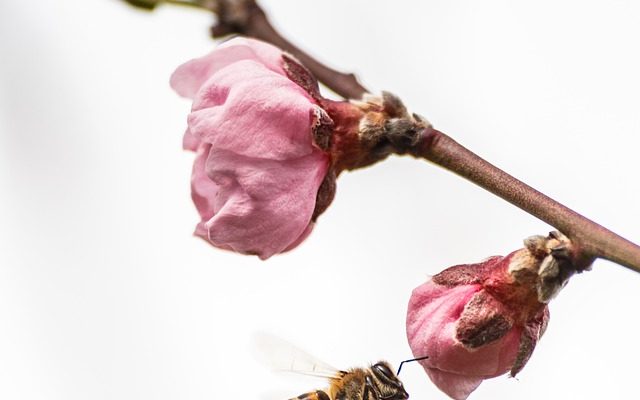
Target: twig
<point>593,241</point>
<point>247,18</point>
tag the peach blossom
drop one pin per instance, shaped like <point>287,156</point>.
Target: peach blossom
<point>257,170</point>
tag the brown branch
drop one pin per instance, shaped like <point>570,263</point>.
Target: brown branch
<point>247,18</point>
<point>592,239</point>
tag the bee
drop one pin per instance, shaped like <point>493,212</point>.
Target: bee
<point>376,382</point>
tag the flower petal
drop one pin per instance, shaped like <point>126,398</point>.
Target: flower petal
<point>189,77</point>
<point>456,386</point>
<point>189,141</point>
<point>253,111</point>
<point>266,205</point>
<point>431,330</point>
<point>307,231</point>
<point>204,191</point>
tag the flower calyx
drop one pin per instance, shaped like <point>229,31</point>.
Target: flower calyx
<point>358,133</point>
<point>547,263</point>
<point>369,130</point>
<point>387,126</point>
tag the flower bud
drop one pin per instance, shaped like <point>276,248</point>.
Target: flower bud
<point>269,146</point>
<point>478,321</point>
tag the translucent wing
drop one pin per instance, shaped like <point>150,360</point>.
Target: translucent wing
<point>280,355</point>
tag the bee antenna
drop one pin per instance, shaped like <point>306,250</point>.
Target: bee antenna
<point>406,361</point>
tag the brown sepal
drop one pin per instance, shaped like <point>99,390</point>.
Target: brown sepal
<point>326,193</point>
<point>482,321</point>
<point>321,127</point>
<point>531,333</point>
<point>465,274</point>
<point>393,105</point>
<point>299,74</point>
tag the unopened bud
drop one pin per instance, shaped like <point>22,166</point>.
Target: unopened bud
<point>478,321</point>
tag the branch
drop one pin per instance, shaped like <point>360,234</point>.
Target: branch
<point>592,240</point>
<point>247,18</point>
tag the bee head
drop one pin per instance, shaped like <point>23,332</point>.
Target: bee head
<point>387,382</point>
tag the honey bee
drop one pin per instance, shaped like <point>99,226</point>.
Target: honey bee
<point>377,382</point>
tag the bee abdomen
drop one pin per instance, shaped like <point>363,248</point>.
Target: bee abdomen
<point>317,395</point>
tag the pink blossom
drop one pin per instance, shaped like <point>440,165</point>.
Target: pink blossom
<point>258,170</point>
<point>269,146</point>
<point>478,321</point>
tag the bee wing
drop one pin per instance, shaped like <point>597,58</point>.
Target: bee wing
<point>282,356</point>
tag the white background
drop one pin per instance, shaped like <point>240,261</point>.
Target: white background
<point>104,293</point>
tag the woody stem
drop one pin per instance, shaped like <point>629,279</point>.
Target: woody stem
<point>256,24</point>
<point>592,239</point>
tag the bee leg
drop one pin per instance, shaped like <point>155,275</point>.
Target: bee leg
<point>317,395</point>
<point>365,392</point>
<point>370,388</point>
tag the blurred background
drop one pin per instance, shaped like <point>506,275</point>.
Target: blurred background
<point>105,293</point>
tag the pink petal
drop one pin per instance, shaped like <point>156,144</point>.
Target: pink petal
<point>456,386</point>
<point>431,330</point>
<point>190,142</point>
<point>252,111</point>
<point>257,172</point>
<point>189,77</point>
<point>204,192</point>
<point>265,205</point>
<point>307,231</point>
<point>433,307</point>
